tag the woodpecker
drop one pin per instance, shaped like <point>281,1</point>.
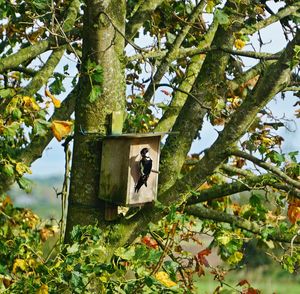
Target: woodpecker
<point>145,169</point>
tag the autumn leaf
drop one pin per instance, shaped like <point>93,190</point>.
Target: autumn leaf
<point>7,201</point>
<point>204,186</point>
<point>164,278</point>
<point>46,233</point>
<point>19,264</point>
<point>22,168</point>
<point>294,211</point>
<point>201,257</point>
<point>149,242</point>
<point>30,103</point>
<point>43,290</point>
<point>239,44</point>
<point>235,258</point>
<point>61,128</point>
<point>54,100</point>
<point>166,92</point>
<point>243,282</point>
<point>251,290</point>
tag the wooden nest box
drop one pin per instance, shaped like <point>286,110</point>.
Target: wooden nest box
<point>121,168</point>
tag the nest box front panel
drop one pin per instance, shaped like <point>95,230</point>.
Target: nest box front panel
<point>114,166</point>
<point>142,183</point>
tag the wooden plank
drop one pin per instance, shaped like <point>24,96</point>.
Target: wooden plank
<point>114,166</point>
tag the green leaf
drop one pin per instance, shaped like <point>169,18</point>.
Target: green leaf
<point>275,157</point>
<point>76,279</point>
<point>40,127</point>
<point>8,169</point>
<point>224,239</point>
<point>4,93</point>
<point>126,254</point>
<point>41,4</point>
<point>255,200</point>
<point>57,86</point>
<point>25,184</point>
<point>11,130</point>
<point>97,74</point>
<point>293,155</point>
<point>16,113</point>
<point>73,249</point>
<point>95,93</point>
<point>221,17</point>
<point>170,37</point>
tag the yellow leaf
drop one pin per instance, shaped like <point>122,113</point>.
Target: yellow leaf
<point>239,44</point>
<point>29,102</point>
<point>19,264</point>
<point>204,186</point>
<point>224,239</point>
<point>267,141</point>
<point>54,100</point>
<point>42,290</point>
<point>236,257</point>
<point>164,278</point>
<point>21,168</point>
<point>61,128</point>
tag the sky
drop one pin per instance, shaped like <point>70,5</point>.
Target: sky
<point>52,161</point>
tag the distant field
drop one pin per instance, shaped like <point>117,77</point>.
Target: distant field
<point>269,280</point>
<point>42,200</point>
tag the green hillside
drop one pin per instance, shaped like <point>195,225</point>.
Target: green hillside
<point>42,199</point>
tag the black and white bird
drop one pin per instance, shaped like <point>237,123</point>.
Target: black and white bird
<point>145,169</point>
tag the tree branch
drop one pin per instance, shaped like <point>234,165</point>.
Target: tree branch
<point>241,185</point>
<point>266,166</point>
<point>23,55</point>
<point>257,69</point>
<point>288,10</point>
<point>35,50</point>
<point>250,226</point>
<point>44,73</point>
<point>172,53</point>
<point>203,49</point>
<point>140,16</point>
<point>209,82</point>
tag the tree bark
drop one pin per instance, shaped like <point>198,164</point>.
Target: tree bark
<point>103,44</point>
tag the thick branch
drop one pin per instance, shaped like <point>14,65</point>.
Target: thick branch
<point>44,73</point>
<point>35,50</point>
<point>241,185</point>
<point>23,55</point>
<point>186,52</point>
<point>140,16</point>
<point>288,10</point>
<point>275,170</point>
<point>209,84</point>
<point>250,226</point>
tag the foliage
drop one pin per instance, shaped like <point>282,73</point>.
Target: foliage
<point>171,258</point>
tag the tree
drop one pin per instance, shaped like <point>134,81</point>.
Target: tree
<point>201,62</point>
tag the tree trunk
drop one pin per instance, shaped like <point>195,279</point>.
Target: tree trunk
<point>103,44</point>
